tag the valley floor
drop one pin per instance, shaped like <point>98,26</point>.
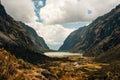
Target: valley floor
<point>77,67</point>
<point>67,67</point>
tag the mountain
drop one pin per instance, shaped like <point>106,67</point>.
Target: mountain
<point>100,36</point>
<point>15,38</point>
<point>73,39</point>
<point>37,40</point>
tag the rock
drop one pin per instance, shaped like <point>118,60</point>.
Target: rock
<point>75,64</point>
<point>48,75</point>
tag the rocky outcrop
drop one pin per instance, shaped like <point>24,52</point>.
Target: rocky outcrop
<point>14,38</point>
<point>98,37</point>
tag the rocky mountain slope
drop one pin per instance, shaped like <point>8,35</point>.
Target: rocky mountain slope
<point>73,39</point>
<point>37,40</point>
<point>98,37</point>
<point>112,55</point>
<point>14,38</point>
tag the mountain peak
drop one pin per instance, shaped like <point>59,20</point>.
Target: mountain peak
<point>3,13</point>
<point>2,10</point>
<point>118,6</point>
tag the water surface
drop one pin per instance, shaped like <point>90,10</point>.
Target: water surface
<point>53,54</point>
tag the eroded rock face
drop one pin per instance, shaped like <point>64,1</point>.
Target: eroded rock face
<point>14,38</point>
<point>101,35</point>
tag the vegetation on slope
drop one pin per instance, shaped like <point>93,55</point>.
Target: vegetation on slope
<point>12,68</point>
<point>111,72</point>
<point>83,68</point>
<point>111,55</point>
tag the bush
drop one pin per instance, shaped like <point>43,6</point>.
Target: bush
<point>111,72</point>
<point>7,67</point>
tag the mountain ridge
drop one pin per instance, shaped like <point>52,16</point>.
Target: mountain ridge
<point>14,38</point>
<point>101,35</point>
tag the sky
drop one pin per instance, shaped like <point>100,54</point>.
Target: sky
<point>54,20</point>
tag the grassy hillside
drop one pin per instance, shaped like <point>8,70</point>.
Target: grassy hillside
<point>111,72</point>
<point>12,68</point>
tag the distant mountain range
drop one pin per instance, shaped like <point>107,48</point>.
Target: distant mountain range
<point>20,39</point>
<point>101,36</point>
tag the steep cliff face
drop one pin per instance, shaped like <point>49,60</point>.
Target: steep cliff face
<point>37,40</point>
<point>14,38</point>
<point>101,35</point>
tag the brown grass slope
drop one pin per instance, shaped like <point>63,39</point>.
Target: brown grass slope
<point>12,68</point>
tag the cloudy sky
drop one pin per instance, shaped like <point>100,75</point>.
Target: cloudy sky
<point>54,20</point>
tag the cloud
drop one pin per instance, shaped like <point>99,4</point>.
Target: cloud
<point>54,35</point>
<point>20,10</point>
<point>66,11</point>
<point>55,14</point>
<point>40,3</point>
<point>23,10</point>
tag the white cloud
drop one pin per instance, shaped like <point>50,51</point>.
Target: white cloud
<point>57,11</point>
<point>54,35</point>
<point>21,10</point>
<point>65,11</point>
<point>40,3</point>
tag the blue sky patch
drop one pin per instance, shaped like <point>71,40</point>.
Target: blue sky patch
<point>75,25</point>
<point>38,8</point>
<point>89,11</point>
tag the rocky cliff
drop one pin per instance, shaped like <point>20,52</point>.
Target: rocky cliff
<point>98,37</point>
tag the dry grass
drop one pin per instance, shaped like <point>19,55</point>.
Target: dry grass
<point>110,72</point>
<point>75,68</point>
<point>12,68</point>
<point>7,65</point>
<point>81,68</point>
